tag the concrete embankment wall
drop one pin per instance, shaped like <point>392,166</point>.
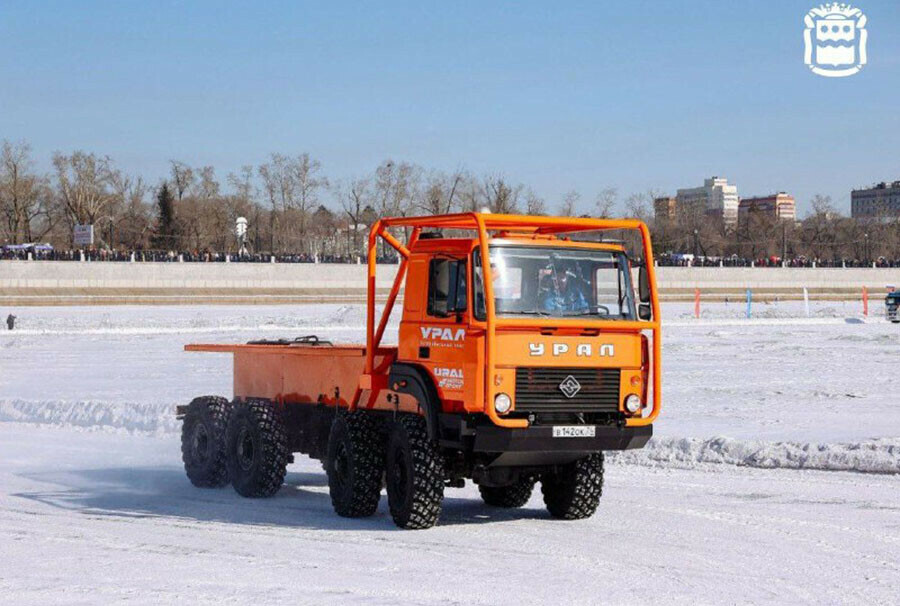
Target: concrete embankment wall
<point>71,283</point>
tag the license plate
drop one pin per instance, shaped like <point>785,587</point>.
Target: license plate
<point>574,431</point>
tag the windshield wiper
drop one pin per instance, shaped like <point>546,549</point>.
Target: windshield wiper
<point>527,312</point>
<point>584,313</point>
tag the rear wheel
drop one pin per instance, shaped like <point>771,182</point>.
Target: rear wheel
<point>257,451</point>
<point>414,474</point>
<point>355,463</point>
<point>573,492</point>
<point>203,441</point>
<point>513,495</point>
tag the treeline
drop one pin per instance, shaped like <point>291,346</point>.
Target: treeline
<point>293,207</point>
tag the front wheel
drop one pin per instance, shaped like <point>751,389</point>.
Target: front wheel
<point>414,474</point>
<point>573,492</point>
<point>513,495</point>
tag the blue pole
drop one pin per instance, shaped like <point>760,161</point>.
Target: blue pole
<point>749,302</point>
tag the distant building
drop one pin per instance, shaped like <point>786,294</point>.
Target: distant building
<point>777,206</point>
<point>665,207</point>
<point>716,198</point>
<point>880,200</point>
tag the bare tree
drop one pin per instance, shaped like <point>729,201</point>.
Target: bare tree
<point>606,202</point>
<point>500,196</point>
<point>395,188</point>
<point>278,186</point>
<point>471,194</point>
<point>569,206</point>
<point>24,195</point>
<point>440,195</point>
<point>183,178</point>
<point>206,186</point>
<point>639,206</point>
<point>534,204</point>
<point>354,200</point>
<point>307,181</point>
<point>818,233</point>
<point>84,185</point>
<point>129,219</point>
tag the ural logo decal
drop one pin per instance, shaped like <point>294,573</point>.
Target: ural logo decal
<point>443,334</point>
<point>453,373</point>
<point>606,350</point>
<point>570,386</point>
<point>449,378</point>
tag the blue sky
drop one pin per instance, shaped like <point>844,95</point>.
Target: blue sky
<point>558,96</point>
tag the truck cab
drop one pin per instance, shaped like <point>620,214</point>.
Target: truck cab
<point>542,280</point>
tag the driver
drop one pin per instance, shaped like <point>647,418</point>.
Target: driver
<point>560,291</point>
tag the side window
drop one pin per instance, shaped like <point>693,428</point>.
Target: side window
<point>609,291</point>
<point>478,279</point>
<point>446,287</point>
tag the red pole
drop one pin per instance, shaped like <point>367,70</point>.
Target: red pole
<point>865,302</point>
<point>697,303</point>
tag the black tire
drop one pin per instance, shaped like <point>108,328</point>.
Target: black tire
<point>257,449</point>
<point>355,463</point>
<point>203,441</point>
<point>573,492</point>
<point>514,495</point>
<point>414,474</point>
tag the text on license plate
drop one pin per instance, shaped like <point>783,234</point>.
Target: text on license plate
<point>574,431</point>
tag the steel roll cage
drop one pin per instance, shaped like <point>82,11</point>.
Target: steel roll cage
<point>482,223</point>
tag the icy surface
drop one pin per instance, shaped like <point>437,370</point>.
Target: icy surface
<point>730,503</point>
<point>97,518</point>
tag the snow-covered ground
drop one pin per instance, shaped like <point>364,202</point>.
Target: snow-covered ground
<point>94,506</point>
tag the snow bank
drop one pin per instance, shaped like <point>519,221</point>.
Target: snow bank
<point>867,456</point>
<point>143,418</point>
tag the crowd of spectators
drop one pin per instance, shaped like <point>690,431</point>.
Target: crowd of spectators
<point>161,256</point>
<point>668,260</point>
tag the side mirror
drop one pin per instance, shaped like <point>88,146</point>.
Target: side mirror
<point>643,284</point>
<point>644,312</point>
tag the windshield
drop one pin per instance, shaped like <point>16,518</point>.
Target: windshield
<point>557,283</point>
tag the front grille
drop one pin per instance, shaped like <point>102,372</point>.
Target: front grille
<point>538,390</point>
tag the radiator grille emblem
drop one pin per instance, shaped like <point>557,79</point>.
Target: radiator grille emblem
<point>570,386</point>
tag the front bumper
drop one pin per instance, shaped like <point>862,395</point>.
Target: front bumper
<point>490,438</point>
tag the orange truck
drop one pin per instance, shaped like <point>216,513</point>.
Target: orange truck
<point>524,352</point>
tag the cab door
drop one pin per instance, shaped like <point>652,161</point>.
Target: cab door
<point>442,336</point>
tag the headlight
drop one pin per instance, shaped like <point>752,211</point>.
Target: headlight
<point>502,403</point>
<point>632,403</point>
